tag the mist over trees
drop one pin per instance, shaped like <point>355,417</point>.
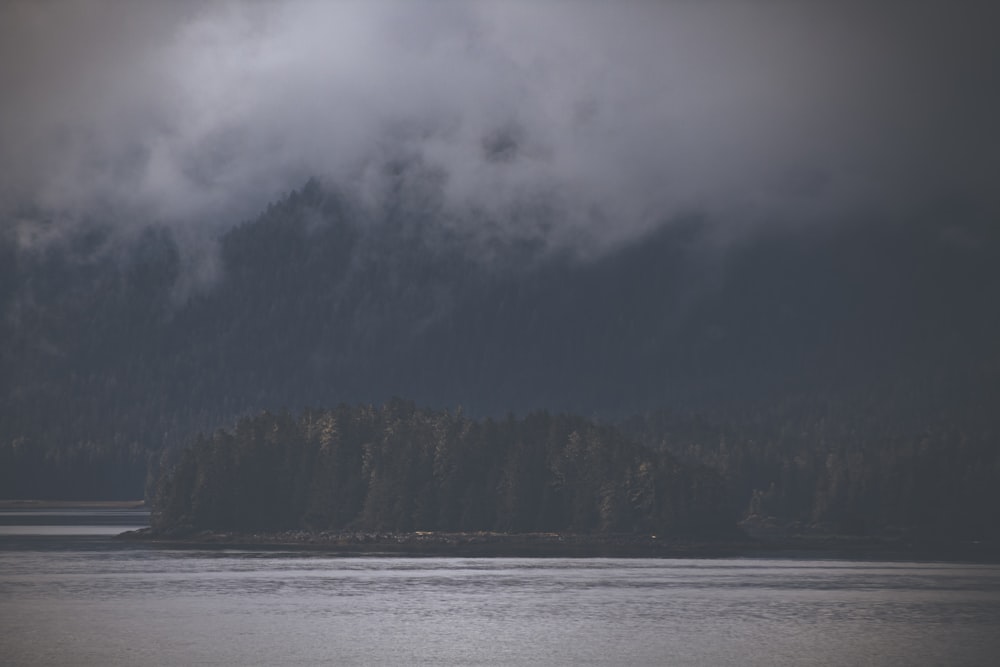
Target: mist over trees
<point>844,376</point>
<point>762,240</point>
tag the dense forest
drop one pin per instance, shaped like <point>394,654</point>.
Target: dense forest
<point>844,377</point>
<point>841,467</point>
<point>403,469</point>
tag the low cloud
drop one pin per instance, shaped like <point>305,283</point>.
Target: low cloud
<point>588,122</point>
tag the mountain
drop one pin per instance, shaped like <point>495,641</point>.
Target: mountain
<point>114,355</point>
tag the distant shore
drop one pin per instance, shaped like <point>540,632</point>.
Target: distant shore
<point>490,544</point>
<point>71,504</point>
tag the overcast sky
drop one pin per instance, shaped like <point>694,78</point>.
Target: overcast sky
<point>611,116</point>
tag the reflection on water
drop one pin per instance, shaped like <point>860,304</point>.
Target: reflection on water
<point>83,598</point>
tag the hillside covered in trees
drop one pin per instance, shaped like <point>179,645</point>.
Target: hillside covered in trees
<point>846,376</point>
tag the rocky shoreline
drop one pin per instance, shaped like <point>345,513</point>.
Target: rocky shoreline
<point>451,544</point>
<point>491,544</point>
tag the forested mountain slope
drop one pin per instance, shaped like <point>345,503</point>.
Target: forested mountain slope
<point>848,337</point>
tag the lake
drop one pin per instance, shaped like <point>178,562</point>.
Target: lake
<point>72,595</point>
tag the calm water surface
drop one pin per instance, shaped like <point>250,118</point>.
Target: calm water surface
<point>70,595</point>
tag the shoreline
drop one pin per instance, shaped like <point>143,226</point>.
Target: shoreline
<point>489,544</point>
<point>471,544</point>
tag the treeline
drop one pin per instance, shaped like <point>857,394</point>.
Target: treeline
<point>843,466</point>
<point>401,468</point>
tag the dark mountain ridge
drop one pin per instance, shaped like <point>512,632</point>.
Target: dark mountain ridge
<point>108,366</point>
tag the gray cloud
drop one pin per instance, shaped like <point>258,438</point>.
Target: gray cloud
<point>610,117</point>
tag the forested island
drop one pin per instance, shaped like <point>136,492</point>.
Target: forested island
<point>402,469</point>
<point>399,478</point>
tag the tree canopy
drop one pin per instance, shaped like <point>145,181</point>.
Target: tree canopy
<point>401,468</point>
